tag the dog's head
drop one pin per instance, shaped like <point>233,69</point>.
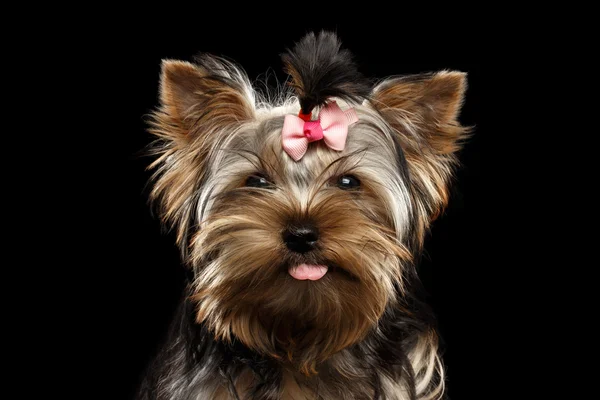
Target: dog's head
<point>300,229</point>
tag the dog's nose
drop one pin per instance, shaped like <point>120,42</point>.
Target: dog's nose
<point>301,239</point>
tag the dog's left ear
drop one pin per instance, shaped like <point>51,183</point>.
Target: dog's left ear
<point>424,110</point>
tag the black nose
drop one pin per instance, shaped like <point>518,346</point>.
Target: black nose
<point>301,238</point>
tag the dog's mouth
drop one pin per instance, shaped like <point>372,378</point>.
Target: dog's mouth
<point>314,270</point>
<point>311,272</point>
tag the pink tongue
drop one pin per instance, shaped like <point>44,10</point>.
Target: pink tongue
<point>311,272</point>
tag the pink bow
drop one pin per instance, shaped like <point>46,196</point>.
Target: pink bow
<point>332,127</point>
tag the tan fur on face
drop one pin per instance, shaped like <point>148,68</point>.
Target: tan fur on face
<point>244,288</point>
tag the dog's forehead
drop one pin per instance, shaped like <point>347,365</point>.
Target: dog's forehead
<point>269,145</point>
<point>370,151</point>
<point>366,146</point>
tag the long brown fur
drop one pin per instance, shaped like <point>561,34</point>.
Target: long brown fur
<point>213,133</point>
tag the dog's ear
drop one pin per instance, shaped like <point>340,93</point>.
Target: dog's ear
<point>424,110</point>
<point>200,105</point>
<point>198,98</point>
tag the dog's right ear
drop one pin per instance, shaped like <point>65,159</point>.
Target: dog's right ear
<point>200,105</point>
<point>202,98</point>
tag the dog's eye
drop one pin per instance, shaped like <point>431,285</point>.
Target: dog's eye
<point>258,181</point>
<point>348,182</point>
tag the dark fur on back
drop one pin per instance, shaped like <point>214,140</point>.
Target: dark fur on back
<point>321,70</point>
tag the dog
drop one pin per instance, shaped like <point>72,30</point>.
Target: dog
<point>301,217</point>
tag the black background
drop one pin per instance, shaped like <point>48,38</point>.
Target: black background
<point>137,262</point>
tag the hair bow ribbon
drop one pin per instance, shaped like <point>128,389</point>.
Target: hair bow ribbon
<point>331,127</point>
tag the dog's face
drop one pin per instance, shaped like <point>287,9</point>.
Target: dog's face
<point>290,254</point>
<point>299,259</point>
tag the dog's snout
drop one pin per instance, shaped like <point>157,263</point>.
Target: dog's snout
<point>301,239</point>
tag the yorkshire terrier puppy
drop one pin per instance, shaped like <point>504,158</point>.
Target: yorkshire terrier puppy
<point>302,218</point>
